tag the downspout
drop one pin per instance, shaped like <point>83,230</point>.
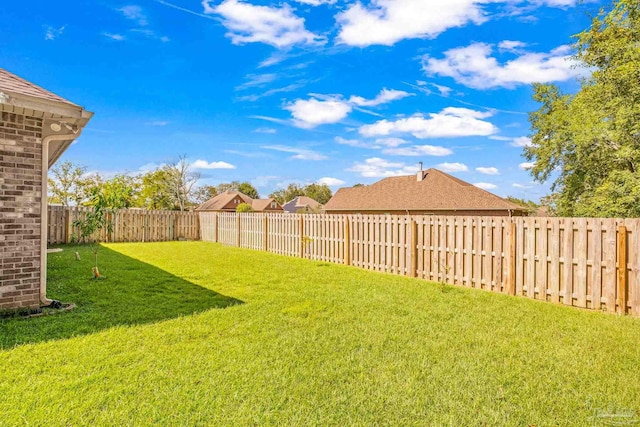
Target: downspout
<point>44,210</point>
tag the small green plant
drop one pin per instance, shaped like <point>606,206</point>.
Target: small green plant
<point>105,207</point>
<point>442,276</point>
<point>244,207</point>
<point>306,241</point>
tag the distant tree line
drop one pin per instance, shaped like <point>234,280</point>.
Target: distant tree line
<point>173,186</point>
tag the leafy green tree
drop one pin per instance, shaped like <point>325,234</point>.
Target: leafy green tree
<point>155,192</point>
<point>529,205</point>
<point>203,193</point>
<point>121,189</point>
<point>243,187</point>
<point>321,193</point>
<point>244,207</point>
<point>589,142</point>
<point>106,201</point>
<point>68,185</point>
<point>284,195</point>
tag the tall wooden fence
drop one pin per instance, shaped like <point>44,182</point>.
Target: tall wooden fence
<point>129,225</point>
<point>585,262</point>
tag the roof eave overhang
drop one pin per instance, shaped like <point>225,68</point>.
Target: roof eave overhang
<point>49,110</point>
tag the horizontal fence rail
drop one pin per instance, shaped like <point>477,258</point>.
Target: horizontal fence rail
<point>591,263</point>
<point>129,225</point>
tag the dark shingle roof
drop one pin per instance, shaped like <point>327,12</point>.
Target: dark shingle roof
<point>13,84</point>
<point>437,191</point>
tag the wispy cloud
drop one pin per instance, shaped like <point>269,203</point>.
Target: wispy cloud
<point>52,33</point>
<point>485,185</point>
<point>299,153</point>
<point>113,36</point>
<point>134,13</point>
<point>265,130</point>
<point>157,123</point>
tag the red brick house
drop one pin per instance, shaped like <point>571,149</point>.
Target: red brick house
<point>230,199</point>
<point>429,192</point>
<point>36,127</point>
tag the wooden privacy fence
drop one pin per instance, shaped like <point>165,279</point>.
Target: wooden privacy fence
<point>129,225</point>
<point>584,262</point>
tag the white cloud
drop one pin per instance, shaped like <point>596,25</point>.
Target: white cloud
<point>488,170</point>
<point>313,112</point>
<point>378,143</point>
<point>474,66</point>
<point>450,122</point>
<point>511,45</point>
<point>418,150</point>
<point>521,186</point>
<point>521,141</point>
<point>452,167</point>
<point>526,165</point>
<point>376,167</point>
<point>134,13</point>
<point>203,164</point>
<point>248,23</point>
<point>485,185</point>
<point>112,36</point>
<point>265,130</point>
<point>316,2</point>
<point>52,33</point>
<point>385,22</point>
<point>299,153</point>
<point>257,80</point>
<point>331,182</point>
<point>157,123</point>
<point>385,95</point>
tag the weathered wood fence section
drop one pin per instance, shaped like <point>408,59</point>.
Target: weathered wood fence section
<point>129,225</point>
<point>584,262</point>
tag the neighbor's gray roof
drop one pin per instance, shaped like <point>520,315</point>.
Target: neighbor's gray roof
<point>300,202</point>
<point>437,191</point>
<point>12,84</point>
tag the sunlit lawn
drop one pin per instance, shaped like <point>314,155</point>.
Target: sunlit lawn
<point>193,333</point>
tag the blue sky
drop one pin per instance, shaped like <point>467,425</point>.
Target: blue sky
<point>273,92</point>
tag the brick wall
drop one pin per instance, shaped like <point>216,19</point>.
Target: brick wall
<point>20,198</point>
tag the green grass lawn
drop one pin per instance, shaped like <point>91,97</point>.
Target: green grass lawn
<point>193,333</point>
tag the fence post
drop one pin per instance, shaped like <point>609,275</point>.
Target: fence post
<point>301,226</point>
<point>67,212</point>
<point>413,272</point>
<point>238,229</point>
<point>511,287</point>
<point>347,241</point>
<point>215,227</point>
<point>265,228</point>
<point>621,299</point>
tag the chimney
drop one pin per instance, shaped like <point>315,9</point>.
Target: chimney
<point>420,174</point>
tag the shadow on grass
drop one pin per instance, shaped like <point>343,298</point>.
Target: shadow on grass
<point>131,293</point>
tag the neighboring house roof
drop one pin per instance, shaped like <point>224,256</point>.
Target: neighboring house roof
<point>219,202</point>
<point>301,202</point>
<point>264,204</point>
<point>19,86</point>
<point>435,191</point>
<point>223,201</point>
